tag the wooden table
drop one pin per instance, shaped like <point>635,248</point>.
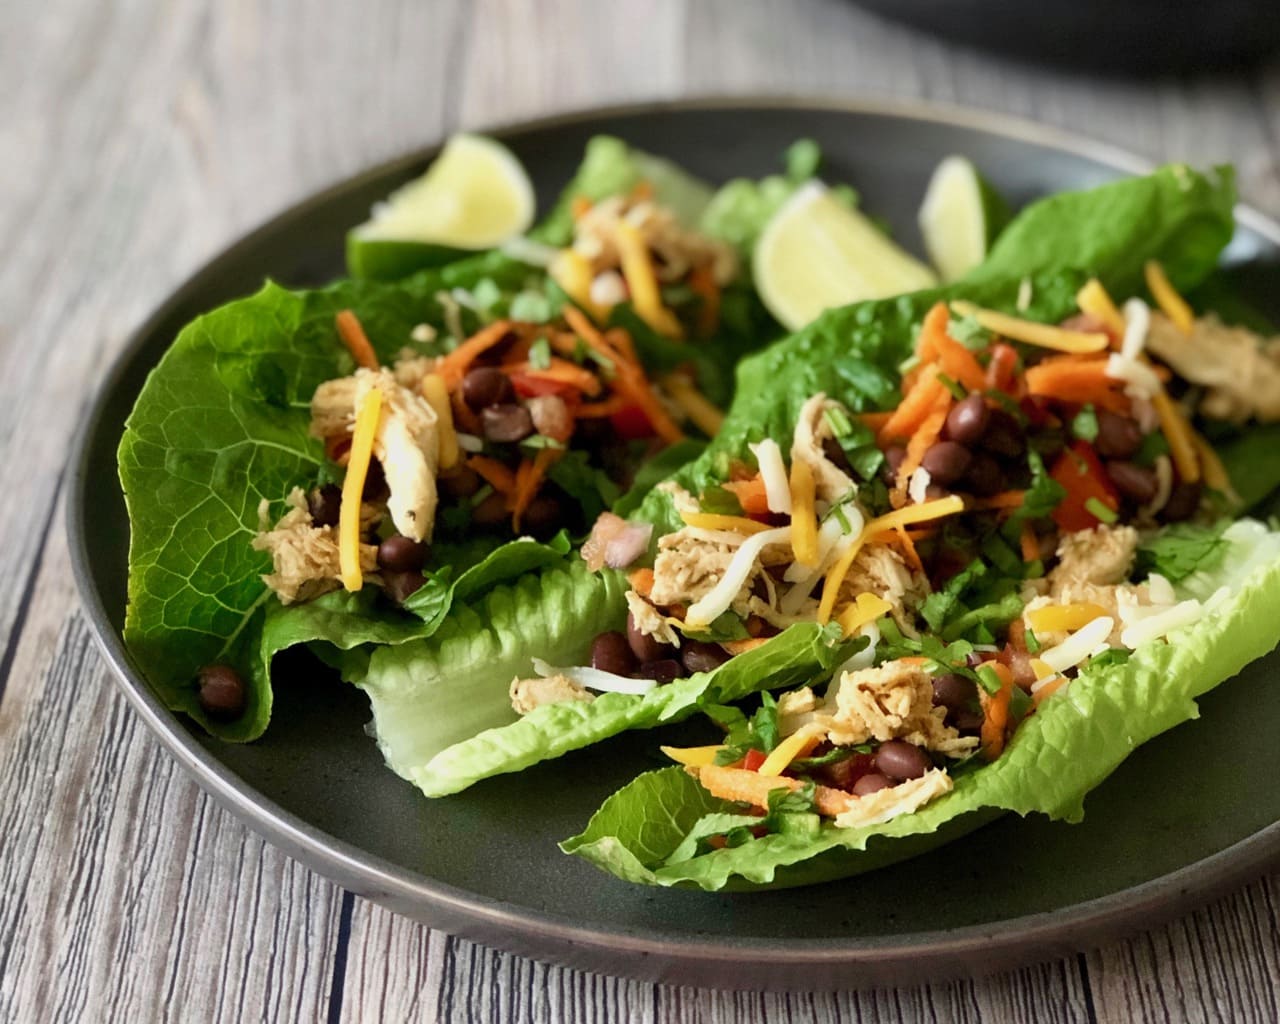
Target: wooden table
<point>137,138</point>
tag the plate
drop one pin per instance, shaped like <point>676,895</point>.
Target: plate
<point>1188,815</point>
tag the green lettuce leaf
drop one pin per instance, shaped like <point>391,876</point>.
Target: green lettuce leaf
<point>802,653</point>
<point>1075,739</point>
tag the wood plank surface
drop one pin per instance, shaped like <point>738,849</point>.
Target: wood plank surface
<point>136,139</point>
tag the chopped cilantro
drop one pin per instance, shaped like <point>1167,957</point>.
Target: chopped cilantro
<point>531,306</point>
<point>789,801</point>
<point>1178,551</point>
<point>486,294</point>
<point>936,609</point>
<point>997,613</point>
<point>969,332</point>
<point>759,732</point>
<point>1103,513</point>
<point>1002,556</point>
<point>540,354</point>
<point>1020,705</point>
<point>725,627</point>
<point>858,442</point>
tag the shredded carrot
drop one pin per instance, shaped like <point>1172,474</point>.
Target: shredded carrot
<point>1028,542</point>
<point>957,362</point>
<point>1001,369</point>
<point>750,494</point>
<point>1177,431</point>
<point>703,284</point>
<point>996,713</point>
<point>1075,380</point>
<point>352,334</point>
<point>1003,500</point>
<point>875,420</point>
<point>561,371</point>
<point>620,338</point>
<point>909,549</point>
<point>922,440</point>
<point>494,473</point>
<point>529,480</point>
<point>916,406</point>
<point>629,379</point>
<point>455,364</point>
<point>641,581</point>
<point>597,410</point>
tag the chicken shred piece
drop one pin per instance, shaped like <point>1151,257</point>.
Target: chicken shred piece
<point>527,694</point>
<point>678,250</point>
<point>304,556</point>
<point>812,429</point>
<point>886,804</point>
<point>1239,369</point>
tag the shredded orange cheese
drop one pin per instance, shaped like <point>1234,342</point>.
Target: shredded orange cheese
<point>1178,433</point>
<point>1031,333</point>
<point>703,414</point>
<point>571,271</point>
<point>692,756</point>
<point>366,429</point>
<point>804,518</point>
<point>1060,618</point>
<point>866,607</point>
<point>1093,299</point>
<point>796,745</point>
<point>642,281</point>
<point>1167,298</point>
<point>712,521</point>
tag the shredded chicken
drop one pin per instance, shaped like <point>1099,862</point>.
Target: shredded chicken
<point>893,701</point>
<point>689,564</point>
<point>527,694</point>
<point>880,570</point>
<point>811,430</point>
<point>1240,370</point>
<point>411,368</point>
<point>406,445</point>
<point>677,249</point>
<point>304,556</point>
<point>649,621</point>
<point>879,807</point>
<point>1102,556</point>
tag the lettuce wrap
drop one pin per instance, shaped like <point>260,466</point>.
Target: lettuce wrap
<point>1178,216</point>
<point>222,425</point>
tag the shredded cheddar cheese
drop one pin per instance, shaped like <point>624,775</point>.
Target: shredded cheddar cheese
<point>1060,618</point>
<point>804,519</point>
<point>1215,473</point>
<point>866,607</point>
<point>697,757</point>
<point>436,392</point>
<point>796,745</point>
<point>571,271</point>
<point>889,521</point>
<point>642,280</point>
<point>713,521</point>
<point>701,412</point>
<point>1167,298</point>
<point>1093,299</point>
<point>1032,333</point>
<point>1178,433</point>
<point>366,429</point>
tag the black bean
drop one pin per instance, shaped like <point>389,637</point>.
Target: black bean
<point>870,783</point>
<point>899,759</point>
<point>646,647</point>
<point>946,461</point>
<point>491,511</point>
<point>1137,483</point>
<point>835,454</point>
<point>965,722</point>
<point>505,423</point>
<point>698,656</point>
<point>222,692</point>
<point>841,774</point>
<point>893,457</point>
<point>968,420</point>
<point>985,477</point>
<point>400,554</point>
<point>610,652</point>
<point>543,517</point>
<point>461,482</point>
<point>401,585</point>
<point>662,671</point>
<point>1119,437</point>
<point>324,504</point>
<point>1183,503</point>
<point>1049,444</point>
<point>954,692</point>
<point>934,491</point>
<point>1003,436</point>
<point>484,386</point>
<point>375,483</point>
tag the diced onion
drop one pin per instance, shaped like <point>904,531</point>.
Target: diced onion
<point>1137,323</point>
<point>918,488</point>
<point>773,471</point>
<point>717,601</point>
<point>1079,645</point>
<point>595,679</point>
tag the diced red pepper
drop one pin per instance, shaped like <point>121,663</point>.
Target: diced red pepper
<point>1080,472</point>
<point>631,424</point>
<point>753,760</point>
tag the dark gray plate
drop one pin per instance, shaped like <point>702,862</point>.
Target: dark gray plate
<point>1178,822</point>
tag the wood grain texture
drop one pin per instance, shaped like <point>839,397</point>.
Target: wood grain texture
<point>137,139</point>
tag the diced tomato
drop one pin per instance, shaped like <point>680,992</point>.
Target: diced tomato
<point>1080,472</point>
<point>753,760</point>
<point>528,386</point>
<point>631,424</point>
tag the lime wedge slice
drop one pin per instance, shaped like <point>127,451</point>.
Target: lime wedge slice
<point>816,253</point>
<point>960,217</point>
<point>475,195</point>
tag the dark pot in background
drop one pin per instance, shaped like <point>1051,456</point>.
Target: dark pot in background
<point>1118,36</point>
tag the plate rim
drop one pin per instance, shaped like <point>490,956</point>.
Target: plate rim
<point>973,949</point>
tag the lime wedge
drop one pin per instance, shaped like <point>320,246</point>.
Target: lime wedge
<point>816,253</point>
<point>960,217</point>
<point>475,195</point>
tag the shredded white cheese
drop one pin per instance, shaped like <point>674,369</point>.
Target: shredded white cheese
<point>773,471</point>
<point>595,679</point>
<point>1137,324</point>
<point>720,597</point>
<point>1079,645</point>
<point>918,487</point>
<point>1153,627</point>
<point>607,289</point>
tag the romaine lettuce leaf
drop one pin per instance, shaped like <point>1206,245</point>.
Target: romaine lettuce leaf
<point>1075,739</point>
<point>802,653</point>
